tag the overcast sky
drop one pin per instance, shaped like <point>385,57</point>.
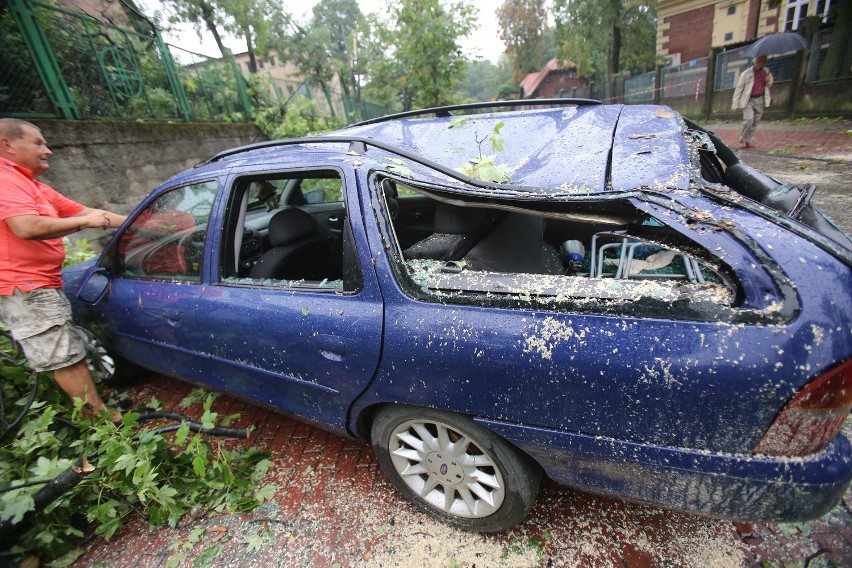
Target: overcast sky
<point>483,43</point>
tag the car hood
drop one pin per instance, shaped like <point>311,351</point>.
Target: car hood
<point>575,149</point>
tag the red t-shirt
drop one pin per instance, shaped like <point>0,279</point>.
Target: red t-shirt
<point>37,263</point>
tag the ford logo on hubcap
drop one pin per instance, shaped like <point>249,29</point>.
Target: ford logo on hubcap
<point>443,469</point>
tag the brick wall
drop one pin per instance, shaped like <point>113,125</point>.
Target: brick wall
<point>690,33</point>
<point>555,82</point>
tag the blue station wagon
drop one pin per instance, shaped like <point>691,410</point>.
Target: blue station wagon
<point>602,294</point>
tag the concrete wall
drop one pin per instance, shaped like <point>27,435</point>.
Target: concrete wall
<point>113,165</point>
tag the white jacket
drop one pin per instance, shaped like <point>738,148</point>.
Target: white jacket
<point>744,84</point>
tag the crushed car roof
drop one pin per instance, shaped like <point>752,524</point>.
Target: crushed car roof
<point>574,147</point>
<point>577,148</point>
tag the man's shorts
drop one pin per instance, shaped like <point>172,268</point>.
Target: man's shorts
<point>40,320</point>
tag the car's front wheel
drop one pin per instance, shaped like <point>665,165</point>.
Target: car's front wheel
<point>105,367</point>
<point>454,469</point>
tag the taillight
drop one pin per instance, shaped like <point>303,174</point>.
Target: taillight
<point>813,417</point>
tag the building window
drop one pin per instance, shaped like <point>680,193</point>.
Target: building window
<point>272,61</point>
<point>732,10</point>
<point>798,10</point>
<point>729,36</point>
<point>260,63</point>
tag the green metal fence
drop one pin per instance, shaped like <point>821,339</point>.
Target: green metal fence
<point>328,100</point>
<point>214,88</point>
<point>62,64</point>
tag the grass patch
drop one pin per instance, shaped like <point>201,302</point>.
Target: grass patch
<point>784,150</point>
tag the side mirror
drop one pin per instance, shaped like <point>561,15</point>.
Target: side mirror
<point>315,197</point>
<point>93,288</point>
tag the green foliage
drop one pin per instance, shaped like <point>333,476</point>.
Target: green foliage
<point>484,81</point>
<point>255,21</point>
<point>604,37</point>
<point>427,47</point>
<point>299,118</point>
<point>131,467</point>
<point>415,56</point>
<point>77,251</point>
<point>485,167</point>
<point>212,93</point>
<point>522,28</point>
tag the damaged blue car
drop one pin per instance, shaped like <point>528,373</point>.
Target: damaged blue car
<point>601,294</point>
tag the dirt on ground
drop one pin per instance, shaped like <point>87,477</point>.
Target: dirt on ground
<point>833,179</point>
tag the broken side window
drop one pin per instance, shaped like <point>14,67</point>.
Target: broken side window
<point>286,230</point>
<point>485,252</point>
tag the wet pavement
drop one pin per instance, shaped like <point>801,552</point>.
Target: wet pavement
<point>803,152</point>
<point>333,507</point>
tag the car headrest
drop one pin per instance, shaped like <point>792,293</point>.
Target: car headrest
<point>458,220</point>
<point>290,225</point>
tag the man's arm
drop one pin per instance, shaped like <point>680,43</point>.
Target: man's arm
<point>738,90</point>
<point>34,227</point>
<point>114,220</point>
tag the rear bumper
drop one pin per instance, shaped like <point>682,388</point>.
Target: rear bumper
<point>722,485</point>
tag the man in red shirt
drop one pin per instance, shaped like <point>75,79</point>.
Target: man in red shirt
<point>34,218</point>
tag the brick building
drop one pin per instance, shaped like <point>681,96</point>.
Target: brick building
<point>558,78</point>
<point>687,29</point>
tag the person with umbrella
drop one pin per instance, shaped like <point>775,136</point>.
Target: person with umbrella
<point>752,95</point>
<point>752,91</point>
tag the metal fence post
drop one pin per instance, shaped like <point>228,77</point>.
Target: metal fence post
<point>241,86</point>
<point>327,92</point>
<point>710,83</point>
<point>44,59</point>
<point>174,79</point>
<point>658,83</point>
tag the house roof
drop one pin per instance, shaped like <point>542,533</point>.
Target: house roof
<point>532,80</point>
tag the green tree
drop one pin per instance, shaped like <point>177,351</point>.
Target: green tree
<point>426,35</point>
<point>522,24</point>
<point>484,81</point>
<point>342,19</point>
<point>200,13</point>
<point>383,76</point>
<point>252,20</point>
<point>604,37</point>
<point>310,51</point>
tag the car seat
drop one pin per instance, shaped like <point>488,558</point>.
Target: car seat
<point>298,249</point>
<point>457,229</point>
<point>516,245</point>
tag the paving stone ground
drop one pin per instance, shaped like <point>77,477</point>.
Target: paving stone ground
<point>333,507</point>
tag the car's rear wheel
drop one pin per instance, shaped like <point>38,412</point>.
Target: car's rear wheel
<point>454,469</point>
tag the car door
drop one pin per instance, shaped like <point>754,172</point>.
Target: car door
<point>154,268</point>
<point>303,346</point>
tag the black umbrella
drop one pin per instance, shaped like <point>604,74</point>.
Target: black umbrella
<point>776,44</point>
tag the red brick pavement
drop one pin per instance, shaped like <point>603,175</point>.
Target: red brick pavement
<point>333,507</point>
<point>827,139</point>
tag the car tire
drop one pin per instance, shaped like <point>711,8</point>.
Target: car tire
<point>105,367</point>
<point>483,485</point>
